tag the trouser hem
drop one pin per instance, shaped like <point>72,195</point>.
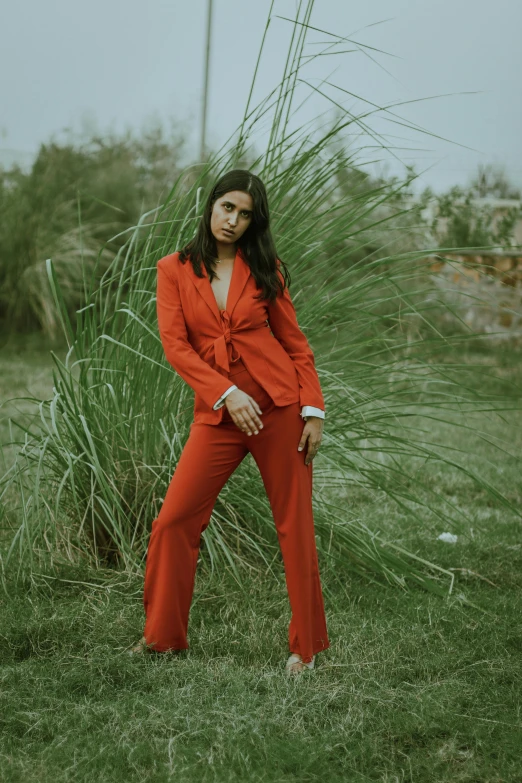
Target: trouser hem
<point>315,651</point>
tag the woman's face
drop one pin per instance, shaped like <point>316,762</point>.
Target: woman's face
<point>232,210</point>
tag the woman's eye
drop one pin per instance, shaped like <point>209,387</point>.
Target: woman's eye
<point>245,214</point>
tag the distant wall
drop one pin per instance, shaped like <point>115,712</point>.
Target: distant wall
<point>486,291</point>
<point>505,267</point>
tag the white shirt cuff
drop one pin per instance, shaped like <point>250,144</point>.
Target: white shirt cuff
<point>221,400</point>
<point>309,410</point>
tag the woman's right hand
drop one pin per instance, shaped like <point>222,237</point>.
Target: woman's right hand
<point>244,411</point>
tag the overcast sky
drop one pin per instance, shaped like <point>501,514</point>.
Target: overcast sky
<point>113,64</point>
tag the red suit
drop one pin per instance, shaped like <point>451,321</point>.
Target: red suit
<point>259,347</point>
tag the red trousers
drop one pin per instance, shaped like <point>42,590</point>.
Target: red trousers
<point>209,457</point>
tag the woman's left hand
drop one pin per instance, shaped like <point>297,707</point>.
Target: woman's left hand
<point>313,433</point>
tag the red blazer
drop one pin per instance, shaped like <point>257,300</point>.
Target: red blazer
<point>196,335</point>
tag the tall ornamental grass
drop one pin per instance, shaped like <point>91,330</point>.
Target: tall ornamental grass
<point>94,464</point>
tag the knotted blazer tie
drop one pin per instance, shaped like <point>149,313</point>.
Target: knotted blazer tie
<point>199,340</point>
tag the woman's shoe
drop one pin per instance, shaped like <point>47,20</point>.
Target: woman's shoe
<point>139,649</point>
<point>143,648</point>
<point>296,665</point>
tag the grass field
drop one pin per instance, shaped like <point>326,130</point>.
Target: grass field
<point>413,688</point>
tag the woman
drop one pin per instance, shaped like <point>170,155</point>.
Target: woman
<point>229,329</point>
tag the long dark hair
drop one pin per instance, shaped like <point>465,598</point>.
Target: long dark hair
<point>256,244</point>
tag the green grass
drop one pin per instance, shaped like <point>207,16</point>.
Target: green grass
<point>413,687</point>
<point>26,371</point>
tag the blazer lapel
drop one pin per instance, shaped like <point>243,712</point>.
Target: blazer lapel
<point>240,275</point>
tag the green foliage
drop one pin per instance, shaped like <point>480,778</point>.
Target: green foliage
<point>92,471</point>
<point>64,208</point>
<point>471,225</point>
<point>492,180</point>
<point>467,216</point>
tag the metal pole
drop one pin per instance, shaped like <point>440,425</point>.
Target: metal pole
<point>205,87</point>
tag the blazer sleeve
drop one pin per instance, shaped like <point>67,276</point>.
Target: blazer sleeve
<point>282,319</point>
<point>206,381</point>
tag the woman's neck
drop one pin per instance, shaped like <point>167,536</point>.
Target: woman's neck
<point>225,251</point>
